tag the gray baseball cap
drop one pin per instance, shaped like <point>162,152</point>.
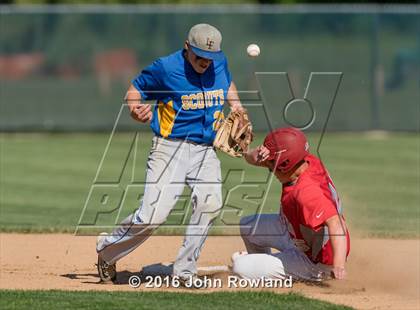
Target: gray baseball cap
<point>205,41</point>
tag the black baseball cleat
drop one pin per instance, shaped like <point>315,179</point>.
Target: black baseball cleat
<point>107,272</point>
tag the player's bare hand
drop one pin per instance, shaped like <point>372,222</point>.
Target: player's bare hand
<point>141,112</point>
<point>257,156</point>
<point>262,153</point>
<point>237,108</point>
<point>339,273</point>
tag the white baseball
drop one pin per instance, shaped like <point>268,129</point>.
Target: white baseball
<point>253,50</point>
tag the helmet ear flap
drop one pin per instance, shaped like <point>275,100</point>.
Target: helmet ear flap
<point>285,163</point>
<point>282,165</point>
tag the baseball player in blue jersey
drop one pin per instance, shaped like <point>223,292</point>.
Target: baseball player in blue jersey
<point>190,87</point>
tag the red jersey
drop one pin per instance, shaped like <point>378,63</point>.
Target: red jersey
<point>307,204</point>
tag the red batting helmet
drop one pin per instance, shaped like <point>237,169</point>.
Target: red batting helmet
<point>289,145</point>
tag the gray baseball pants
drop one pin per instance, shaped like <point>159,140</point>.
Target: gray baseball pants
<point>264,232</point>
<point>171,165</point>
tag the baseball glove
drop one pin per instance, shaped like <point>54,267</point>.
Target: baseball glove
<point>235,134</point>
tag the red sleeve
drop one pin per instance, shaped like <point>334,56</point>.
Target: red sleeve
<point>315,207</point>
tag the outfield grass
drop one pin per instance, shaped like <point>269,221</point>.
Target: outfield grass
<point>45,180</point>
<point>156,300</point>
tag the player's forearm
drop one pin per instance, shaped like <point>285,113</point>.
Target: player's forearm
<point>337,231</point>
<point>132,96</point>
<point>233,98</point>
<point>256,157</point>
<point>250,157</point>
<point>139,111</point>
<point>339,245</point>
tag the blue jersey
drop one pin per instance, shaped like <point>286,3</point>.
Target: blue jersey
<point>189,104</point>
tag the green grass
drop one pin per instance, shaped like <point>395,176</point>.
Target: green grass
<point>156,300</point>
<point>45,180</point>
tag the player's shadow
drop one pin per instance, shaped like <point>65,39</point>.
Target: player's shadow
<point>93,278</point>
<point>154,270</point>
<point>123,276</point>
<point>82,276</point>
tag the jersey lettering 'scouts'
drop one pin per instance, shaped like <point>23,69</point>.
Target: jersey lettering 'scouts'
<point>189,105</point>
<point>203,100</point>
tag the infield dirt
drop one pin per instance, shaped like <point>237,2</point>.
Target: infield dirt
<point>382,273</point>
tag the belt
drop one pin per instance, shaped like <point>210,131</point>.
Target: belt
<point>185,140</point>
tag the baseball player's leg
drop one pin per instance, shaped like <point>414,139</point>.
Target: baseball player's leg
<point>255,266</point>
<point>291,262</point>
<point>261,232</point>
<point>165,179</point>
<point>205,181</point>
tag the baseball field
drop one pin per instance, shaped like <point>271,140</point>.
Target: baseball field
<point>46,179</point>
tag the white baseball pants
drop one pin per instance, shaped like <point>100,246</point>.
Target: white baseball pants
<point>171,165</point>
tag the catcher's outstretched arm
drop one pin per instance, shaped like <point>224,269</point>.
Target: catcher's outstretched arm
<point>233,98</point>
